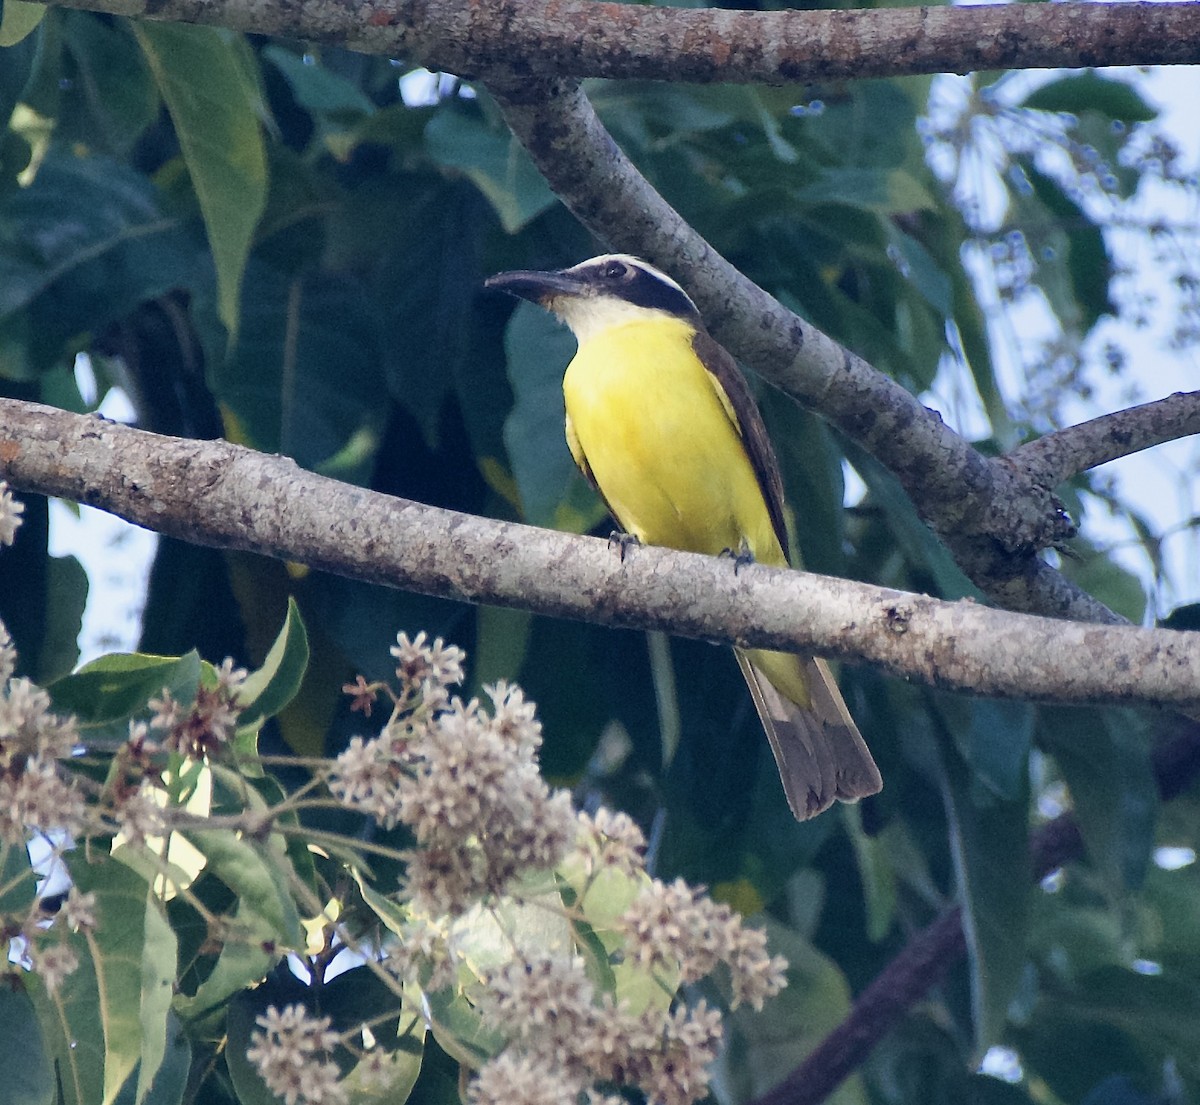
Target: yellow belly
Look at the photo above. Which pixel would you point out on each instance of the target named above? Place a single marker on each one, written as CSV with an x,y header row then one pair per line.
x,y
660,444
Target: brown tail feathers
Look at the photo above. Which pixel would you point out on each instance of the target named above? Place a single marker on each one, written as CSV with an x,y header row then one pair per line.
x,y
819,751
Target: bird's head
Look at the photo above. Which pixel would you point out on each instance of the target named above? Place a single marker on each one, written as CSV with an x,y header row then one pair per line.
x,y
600,293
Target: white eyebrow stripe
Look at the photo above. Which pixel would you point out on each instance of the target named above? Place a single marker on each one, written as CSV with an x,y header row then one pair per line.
x,y
636,262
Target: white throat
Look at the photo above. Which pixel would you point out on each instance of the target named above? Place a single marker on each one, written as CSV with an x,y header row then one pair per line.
x,y
589,316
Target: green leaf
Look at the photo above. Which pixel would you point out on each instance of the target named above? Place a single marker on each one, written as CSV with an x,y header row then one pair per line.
x,y
1104,758
1088,91
28,1073
989,846
875,872
1088,265
277,387
764,1047
280,989
269,689
914,538
994,737
814,483
1100,575
18,20
397,1029
265,922
1122,1021
171,1080
67,592
538,350
355,998
18,883
925,274
495,163
116,687
80,247
107,97
322,93
427,282
501,639
253,871
207,78
886,191
109,1016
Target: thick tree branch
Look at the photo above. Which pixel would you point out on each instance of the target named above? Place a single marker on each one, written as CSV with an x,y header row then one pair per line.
x,y
548,38
1056,457
992,521
930,953
218,494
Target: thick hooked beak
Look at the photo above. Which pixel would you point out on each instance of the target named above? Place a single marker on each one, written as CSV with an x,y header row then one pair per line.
x,y
537,287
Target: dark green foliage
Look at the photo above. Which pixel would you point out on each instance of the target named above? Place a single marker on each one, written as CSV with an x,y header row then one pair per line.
x,y
346,327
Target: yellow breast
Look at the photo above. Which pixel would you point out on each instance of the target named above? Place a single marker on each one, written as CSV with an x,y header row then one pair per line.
x,y
669,460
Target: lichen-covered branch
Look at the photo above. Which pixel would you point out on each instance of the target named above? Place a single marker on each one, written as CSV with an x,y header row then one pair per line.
x,y
218,494
1056,457
547,38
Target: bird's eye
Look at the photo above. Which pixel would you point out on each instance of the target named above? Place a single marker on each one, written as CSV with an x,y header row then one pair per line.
x,y
613,270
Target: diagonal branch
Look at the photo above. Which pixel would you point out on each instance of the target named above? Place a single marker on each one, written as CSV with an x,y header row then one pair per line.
x,y
218,494
929,954
990,519
585,39
1056,457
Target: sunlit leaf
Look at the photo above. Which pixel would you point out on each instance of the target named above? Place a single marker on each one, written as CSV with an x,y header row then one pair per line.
x,y
271,687
206,78
495,163
117,686
109,1017
19,19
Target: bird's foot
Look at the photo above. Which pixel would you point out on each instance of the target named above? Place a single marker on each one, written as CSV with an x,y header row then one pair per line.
x,y
741,556
623,542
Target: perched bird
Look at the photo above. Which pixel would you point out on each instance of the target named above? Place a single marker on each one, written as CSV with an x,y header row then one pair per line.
x,y
662,423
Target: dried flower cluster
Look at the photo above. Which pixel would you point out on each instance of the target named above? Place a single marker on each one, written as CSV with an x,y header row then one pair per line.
x,y
465,780
208,723
291,1050
565,1039
491,840
10,514
34,795
676,926
44,937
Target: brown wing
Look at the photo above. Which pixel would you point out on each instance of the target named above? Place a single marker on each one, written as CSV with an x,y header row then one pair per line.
x,y
739,403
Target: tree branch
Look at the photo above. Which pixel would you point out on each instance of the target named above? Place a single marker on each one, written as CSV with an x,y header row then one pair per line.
x,y
929,954
992,521
584,39
218,494
1056,457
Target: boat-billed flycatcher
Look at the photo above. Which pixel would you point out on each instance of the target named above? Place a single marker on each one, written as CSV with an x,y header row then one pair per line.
x,y
662,423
